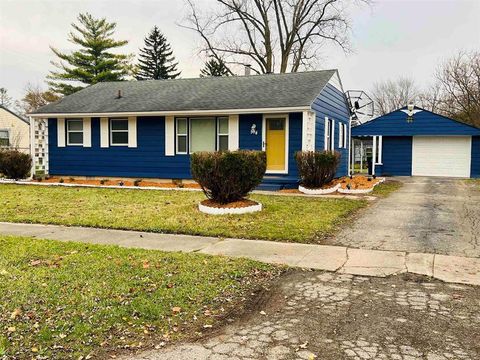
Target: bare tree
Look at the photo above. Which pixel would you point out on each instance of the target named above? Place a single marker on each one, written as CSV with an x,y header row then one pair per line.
x,y
459,78
35,98
431,98
5,99
271,35
391,95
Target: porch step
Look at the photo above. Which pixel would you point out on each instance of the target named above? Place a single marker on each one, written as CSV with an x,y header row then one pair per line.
x,y
275,183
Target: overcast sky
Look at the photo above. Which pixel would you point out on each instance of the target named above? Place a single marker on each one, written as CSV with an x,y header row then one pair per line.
x,y
390,39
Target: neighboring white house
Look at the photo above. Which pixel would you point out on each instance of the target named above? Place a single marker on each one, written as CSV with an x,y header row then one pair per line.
x,y
14,131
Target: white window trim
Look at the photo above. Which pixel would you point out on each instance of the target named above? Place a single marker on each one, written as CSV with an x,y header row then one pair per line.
x,y
345,136
111,131
329,134
340,135
227,134
104,133
67,132
8,138
264,136
177,135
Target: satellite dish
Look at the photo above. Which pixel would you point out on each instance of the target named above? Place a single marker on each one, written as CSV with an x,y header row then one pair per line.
x,y
361,106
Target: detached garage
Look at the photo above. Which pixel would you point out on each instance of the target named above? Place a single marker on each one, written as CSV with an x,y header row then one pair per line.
x,y
421,143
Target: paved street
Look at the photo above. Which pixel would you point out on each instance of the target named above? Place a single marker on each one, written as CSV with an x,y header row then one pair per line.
x,y
430,215
327,316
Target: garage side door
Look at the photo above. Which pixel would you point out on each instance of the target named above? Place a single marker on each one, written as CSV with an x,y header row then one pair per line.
x,y
441,156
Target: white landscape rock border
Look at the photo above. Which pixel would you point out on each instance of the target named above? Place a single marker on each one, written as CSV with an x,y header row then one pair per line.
x,y
361,191
229,211
318,191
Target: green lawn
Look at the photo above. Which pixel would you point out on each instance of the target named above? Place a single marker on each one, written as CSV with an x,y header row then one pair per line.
x,y
297,219
386,188
67,300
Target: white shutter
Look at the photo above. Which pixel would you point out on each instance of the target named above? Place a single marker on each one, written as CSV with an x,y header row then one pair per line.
x,y
132,131
233,133
169,136
308,130
340,135
87,132
333,135
61,132
325,133
104,136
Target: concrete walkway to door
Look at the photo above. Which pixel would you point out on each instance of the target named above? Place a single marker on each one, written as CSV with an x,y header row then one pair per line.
x,y
339,259
427,215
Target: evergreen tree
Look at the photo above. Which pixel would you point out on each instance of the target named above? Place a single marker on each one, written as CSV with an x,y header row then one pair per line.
x,y
156,60
93,62
214,67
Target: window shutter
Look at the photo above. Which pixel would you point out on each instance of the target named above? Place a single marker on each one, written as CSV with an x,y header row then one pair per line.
x,y
104,136
61,132
233,133
340,135
333,135
325,133
87,132
132,131
169,136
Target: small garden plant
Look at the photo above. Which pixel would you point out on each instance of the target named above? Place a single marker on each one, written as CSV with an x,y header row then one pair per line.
x,y
317,168
15,164
228,176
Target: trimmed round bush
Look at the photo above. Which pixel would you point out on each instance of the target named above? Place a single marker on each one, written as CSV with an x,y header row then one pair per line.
x,y
15,164
228,176
317,168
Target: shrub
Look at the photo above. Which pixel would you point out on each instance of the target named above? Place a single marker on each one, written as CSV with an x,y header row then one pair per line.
x,y
228,176
317,168
15,164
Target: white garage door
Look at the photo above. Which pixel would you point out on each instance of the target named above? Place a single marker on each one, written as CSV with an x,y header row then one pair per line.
x,y
441,156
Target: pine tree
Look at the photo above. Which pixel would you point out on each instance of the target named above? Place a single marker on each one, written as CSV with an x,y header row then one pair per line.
x,y
93,62
214,67
156,60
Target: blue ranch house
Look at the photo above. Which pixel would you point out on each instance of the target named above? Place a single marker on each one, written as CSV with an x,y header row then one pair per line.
x,y
147,129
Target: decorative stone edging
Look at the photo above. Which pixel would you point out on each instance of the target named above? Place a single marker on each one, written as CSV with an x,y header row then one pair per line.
x,y
361,191
229,211
318,191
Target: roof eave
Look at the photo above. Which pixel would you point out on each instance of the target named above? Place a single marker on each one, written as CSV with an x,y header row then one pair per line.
x,y
276,110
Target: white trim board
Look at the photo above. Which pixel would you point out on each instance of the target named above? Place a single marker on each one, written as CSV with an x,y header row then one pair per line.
x,y
280,110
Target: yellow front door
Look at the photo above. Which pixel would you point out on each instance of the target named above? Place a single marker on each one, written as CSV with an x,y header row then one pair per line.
x,y
275,143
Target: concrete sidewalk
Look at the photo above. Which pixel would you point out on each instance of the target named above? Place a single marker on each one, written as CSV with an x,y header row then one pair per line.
x,y
340,259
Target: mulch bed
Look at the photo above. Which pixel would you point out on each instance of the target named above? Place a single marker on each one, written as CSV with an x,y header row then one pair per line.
x,y
143,183
237,204
358,182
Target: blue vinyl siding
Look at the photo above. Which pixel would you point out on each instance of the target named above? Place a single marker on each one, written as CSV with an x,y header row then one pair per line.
x,y
397,156
147,160
332,103
424,123
475,168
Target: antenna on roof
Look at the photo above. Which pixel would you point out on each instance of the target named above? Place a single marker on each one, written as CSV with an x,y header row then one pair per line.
x,y
119,94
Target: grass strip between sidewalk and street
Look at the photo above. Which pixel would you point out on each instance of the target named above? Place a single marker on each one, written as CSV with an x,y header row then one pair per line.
x,y
66,300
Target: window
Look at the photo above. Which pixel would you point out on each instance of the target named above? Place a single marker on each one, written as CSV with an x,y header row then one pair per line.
x,y
201,134
222,131
182,131
329,141
74,132
345,136
119,132
4,138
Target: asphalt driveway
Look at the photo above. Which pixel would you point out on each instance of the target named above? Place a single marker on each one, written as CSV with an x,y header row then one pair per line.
x,y
432,215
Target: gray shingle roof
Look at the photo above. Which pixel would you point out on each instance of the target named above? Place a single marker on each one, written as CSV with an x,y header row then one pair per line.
x,y
213,93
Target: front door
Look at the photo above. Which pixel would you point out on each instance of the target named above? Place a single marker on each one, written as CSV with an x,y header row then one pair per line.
x,y
275,144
